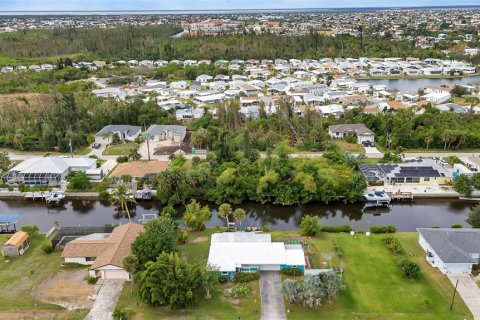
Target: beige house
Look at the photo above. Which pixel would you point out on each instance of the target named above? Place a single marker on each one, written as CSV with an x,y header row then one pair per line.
x,y
16,245
104,252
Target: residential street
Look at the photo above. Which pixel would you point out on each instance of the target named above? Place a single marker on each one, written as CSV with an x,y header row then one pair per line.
x,y
273,307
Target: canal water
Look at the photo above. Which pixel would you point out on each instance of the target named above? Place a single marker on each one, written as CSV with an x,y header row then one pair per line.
x,y
405,216
415,84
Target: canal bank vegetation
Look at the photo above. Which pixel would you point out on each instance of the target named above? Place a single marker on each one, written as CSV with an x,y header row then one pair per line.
x,y
277,179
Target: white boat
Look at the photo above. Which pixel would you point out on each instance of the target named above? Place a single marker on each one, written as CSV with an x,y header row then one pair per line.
x,y
378,197
55,197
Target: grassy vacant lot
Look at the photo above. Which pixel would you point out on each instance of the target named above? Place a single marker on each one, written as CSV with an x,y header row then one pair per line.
x,y
121,149
218,307
20,276
351,147
375,286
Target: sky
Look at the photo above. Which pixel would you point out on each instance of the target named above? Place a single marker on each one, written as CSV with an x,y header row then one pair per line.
x,y
97,5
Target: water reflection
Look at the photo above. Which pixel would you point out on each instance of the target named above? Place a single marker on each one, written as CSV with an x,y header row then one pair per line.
x,y
406,216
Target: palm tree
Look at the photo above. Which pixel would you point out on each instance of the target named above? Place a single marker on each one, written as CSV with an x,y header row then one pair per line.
x,y
134,155
224,211
121,197
130,263
239,215
209,280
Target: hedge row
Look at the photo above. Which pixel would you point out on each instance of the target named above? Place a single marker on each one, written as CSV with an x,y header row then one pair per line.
x,y
293,272
383,229
337,229
241,277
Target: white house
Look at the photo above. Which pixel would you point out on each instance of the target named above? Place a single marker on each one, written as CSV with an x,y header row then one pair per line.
x,y
232,252
189,113
341,131
157,132
104,252
124,133
451,250
437,98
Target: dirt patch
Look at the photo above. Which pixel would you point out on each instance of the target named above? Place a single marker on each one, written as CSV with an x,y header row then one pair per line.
x,y
25,99
68,289
200,239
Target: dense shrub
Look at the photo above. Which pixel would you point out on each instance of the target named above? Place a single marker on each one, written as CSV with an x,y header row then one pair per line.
x,y
91,280
238,290
30,229
293,272
456,226
337,229
241,277
410,268
392,244
383,229
223,279
182,237
121,159
310,225
47,248
119,314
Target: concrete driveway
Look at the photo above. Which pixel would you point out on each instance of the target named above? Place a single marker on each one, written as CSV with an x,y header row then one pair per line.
x,y
106,300
273,307
469,291
372,152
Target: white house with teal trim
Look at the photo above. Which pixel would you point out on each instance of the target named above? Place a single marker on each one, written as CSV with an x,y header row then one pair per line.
x,y
232,252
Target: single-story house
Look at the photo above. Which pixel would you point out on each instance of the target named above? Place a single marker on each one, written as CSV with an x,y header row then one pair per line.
x,y
232,252
124,133
139,169
16,245
104,252
451,250
47,170
158,132
422,171
363,134
437,97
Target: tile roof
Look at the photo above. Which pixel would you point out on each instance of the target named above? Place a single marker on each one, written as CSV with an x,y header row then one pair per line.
x,y
109,251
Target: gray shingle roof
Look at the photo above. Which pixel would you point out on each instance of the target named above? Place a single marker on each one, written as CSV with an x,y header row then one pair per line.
x,y
123,128
453,245
358,128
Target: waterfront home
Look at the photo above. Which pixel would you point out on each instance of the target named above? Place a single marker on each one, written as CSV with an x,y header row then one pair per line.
x,y
437,98
452,251
123,132
104,252
16,245
423,171
47,170
341,131
232,252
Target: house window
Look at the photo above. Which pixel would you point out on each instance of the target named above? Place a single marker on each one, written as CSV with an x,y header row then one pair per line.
x,y
89,259
426,179
224,273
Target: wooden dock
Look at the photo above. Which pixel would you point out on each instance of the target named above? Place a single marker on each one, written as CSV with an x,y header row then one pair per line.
x,y
400,196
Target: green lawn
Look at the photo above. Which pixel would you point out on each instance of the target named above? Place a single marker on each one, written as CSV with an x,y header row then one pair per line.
x,y
121,149
351,147
19,278
375,286
218,307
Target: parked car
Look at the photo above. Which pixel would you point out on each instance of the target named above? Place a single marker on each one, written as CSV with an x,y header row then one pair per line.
x,y
96,146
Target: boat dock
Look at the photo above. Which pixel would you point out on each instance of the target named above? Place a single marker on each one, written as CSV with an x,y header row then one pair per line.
x,y
41,195
400,196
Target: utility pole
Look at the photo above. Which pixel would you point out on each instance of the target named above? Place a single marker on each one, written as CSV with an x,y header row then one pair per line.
x,y
453,298
71,149
147,139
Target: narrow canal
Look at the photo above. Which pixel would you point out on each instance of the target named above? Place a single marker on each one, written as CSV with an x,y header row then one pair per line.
x,y
405,216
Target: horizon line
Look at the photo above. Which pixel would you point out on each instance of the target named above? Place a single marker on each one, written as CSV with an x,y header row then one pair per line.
x,y
255,9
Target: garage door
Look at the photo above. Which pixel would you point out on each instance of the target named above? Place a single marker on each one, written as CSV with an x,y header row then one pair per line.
x,y
270,267
115,274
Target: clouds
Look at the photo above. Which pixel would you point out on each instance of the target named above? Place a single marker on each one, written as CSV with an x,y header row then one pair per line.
x,y
93,5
